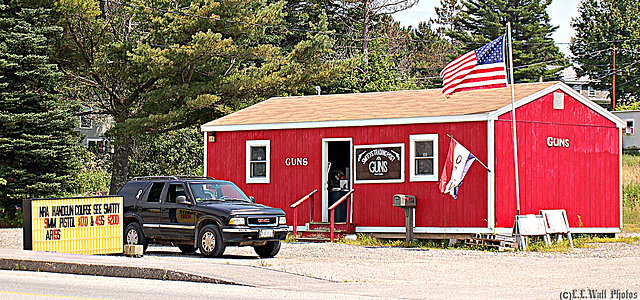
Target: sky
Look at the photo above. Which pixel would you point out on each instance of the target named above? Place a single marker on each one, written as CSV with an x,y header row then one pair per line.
x,y
560,11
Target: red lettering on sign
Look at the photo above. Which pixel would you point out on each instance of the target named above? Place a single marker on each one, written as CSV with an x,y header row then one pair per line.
x,y
113,219
99,220
83,221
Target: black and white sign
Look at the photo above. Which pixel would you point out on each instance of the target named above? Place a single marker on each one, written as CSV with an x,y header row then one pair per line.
x,y
379,163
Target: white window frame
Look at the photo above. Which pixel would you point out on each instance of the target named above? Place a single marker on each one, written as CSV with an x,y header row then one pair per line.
x,y
412,157
258,143
631,131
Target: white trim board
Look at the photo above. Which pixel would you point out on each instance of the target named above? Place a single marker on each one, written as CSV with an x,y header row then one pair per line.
x,y
587,230
206,152
620,174
438,230
349,123
325,174
491,176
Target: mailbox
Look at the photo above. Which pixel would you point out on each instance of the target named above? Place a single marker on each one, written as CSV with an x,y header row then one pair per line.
x,y
404,201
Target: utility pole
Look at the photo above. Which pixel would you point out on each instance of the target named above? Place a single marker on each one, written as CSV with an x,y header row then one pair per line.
x,y
613,91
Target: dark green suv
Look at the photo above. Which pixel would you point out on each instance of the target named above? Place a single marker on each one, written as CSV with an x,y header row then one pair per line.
x,y
199,213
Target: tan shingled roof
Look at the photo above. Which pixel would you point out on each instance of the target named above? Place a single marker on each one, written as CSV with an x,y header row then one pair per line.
x,y
380,105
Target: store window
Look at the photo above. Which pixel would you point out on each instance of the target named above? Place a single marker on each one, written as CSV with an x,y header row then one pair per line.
x,y
258,161
423,157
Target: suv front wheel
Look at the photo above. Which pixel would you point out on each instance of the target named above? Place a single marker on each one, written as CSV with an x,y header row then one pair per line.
x,y
133,235
210,241
270,249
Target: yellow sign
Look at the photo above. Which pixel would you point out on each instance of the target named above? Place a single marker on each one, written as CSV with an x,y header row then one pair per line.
x,y
91,225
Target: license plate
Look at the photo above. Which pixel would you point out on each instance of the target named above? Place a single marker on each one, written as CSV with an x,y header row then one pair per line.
x,y
266,233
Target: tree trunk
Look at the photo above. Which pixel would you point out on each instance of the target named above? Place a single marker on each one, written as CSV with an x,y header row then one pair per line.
x,y
120,159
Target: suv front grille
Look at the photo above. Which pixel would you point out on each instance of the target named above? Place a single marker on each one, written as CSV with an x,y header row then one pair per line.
x,y
263,221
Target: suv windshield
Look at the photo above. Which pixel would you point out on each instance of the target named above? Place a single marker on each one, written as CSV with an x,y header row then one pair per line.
x,y
217,191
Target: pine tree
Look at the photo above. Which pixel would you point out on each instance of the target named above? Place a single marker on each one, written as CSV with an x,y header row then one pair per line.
x,y
481,21
37,144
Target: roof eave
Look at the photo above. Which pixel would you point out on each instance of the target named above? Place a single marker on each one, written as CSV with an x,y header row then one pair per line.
x,y
349,123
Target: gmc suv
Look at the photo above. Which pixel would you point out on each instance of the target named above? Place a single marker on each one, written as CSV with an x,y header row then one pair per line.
x,y
199,213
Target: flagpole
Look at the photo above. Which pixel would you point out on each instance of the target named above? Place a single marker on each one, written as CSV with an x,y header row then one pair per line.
x,y
513,120
477,159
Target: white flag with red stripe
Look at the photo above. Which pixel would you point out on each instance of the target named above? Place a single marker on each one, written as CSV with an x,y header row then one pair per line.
x,y
483,68
459,160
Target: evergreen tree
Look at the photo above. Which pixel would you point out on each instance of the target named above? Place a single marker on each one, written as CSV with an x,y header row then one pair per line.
x,y
431,53
481,21
37,144
601,25
158,66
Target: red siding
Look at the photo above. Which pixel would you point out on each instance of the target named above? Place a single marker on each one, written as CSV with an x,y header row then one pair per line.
x,y
372,202
583,178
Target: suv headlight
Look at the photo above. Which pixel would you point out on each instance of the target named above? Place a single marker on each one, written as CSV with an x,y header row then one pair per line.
x,y
236,221
282,220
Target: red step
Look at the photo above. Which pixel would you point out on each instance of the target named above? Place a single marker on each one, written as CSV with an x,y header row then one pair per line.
x,y
321,232
346,227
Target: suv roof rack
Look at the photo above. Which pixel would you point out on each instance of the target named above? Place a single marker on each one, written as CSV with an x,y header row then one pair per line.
x,y
178,177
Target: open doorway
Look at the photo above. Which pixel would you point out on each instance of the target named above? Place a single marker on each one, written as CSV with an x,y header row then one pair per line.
x,y
337,176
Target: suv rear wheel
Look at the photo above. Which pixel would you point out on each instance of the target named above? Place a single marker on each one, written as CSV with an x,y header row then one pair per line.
x,y
210,241
133,235
268,250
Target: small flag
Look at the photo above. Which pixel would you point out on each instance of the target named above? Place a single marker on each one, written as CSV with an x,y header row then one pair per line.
x,y
483,68
459,160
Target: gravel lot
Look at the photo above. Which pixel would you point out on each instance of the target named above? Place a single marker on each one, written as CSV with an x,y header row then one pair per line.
x,y
417,273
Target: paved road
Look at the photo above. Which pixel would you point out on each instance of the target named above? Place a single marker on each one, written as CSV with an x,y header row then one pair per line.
x,y
313,271
34,285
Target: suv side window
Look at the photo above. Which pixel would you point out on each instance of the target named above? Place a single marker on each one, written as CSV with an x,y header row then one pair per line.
x,y
174,191
155,191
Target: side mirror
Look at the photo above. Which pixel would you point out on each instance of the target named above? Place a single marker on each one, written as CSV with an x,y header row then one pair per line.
x,y
253,200
182,200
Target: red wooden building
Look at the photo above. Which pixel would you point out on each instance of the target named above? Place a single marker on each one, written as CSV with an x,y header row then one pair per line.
x,y
381,144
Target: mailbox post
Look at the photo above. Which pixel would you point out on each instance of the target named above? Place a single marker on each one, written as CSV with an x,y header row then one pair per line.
x,y
408,203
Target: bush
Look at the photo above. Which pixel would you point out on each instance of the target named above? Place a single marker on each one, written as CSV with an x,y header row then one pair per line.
x,y
10,218
95,175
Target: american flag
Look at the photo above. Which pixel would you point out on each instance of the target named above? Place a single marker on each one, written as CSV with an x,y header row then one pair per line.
x,y
482,68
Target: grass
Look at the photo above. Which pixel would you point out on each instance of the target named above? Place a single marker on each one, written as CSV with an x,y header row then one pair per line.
x,y
582,241
579,241
631,192
370,241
